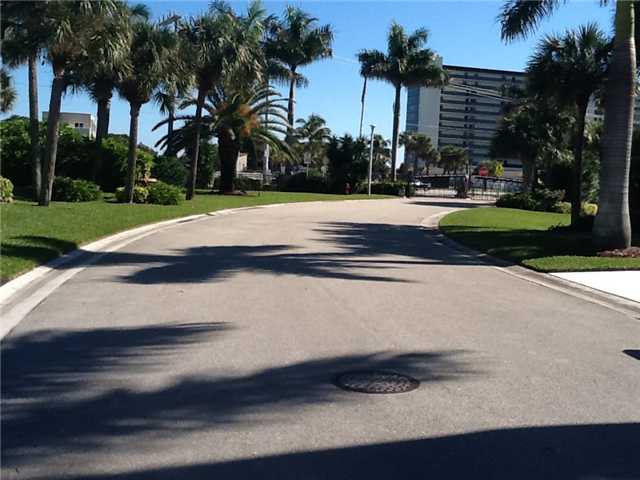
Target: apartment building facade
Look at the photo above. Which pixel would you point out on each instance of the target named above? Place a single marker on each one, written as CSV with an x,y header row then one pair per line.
x,y
84,123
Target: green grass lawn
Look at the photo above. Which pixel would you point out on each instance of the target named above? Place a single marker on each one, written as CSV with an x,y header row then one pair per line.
x,y
33,235
524,237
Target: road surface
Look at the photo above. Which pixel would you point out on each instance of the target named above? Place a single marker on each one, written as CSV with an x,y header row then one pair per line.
x,y
207,351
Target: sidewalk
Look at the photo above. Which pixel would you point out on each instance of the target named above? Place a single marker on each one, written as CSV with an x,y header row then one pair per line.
x,y
623,283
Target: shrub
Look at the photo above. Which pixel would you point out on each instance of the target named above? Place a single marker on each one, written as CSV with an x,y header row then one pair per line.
x,y
246,184
6,190
115,149
170,170
67,189
301,182
542,200
589,209
140,194
388,188
161,193
562,207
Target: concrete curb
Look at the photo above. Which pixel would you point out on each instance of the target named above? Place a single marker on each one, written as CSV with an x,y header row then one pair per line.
x,y
613,302
87,254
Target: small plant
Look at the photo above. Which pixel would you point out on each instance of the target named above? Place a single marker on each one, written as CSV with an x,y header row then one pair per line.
x,y
6,190
140,194
161,193
67,189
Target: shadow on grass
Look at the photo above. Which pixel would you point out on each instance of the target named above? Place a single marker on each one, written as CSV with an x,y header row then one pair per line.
x,y
36,247
563,452
518,245
80,391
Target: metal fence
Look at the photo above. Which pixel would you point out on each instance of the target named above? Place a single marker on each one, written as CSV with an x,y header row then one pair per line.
x,y
481,188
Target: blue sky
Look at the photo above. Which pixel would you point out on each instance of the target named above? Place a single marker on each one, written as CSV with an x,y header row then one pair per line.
x,y
464,33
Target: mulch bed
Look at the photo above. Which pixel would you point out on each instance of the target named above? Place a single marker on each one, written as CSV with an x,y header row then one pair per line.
x,y
631,252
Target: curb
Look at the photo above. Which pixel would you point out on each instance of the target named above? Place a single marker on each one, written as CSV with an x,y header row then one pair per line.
x,y
608,300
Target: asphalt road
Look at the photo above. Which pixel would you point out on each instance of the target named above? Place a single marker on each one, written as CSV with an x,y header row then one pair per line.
x,y
207,351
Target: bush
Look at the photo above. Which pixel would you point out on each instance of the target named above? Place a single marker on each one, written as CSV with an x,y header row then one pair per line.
x,y
562,207
388,188
161,193
541,200
6,190
170,170
301,182
246,184
67,189
589,209
115,149
140,194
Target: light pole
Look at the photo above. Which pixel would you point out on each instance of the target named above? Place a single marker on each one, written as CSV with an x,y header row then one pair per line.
x,y
373,127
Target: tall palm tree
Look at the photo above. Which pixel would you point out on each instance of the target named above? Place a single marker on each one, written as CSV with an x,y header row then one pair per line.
x,y
24,32
294,42
73,26
216,44
151,51
570,69
406,63
612,226
8,94
107,65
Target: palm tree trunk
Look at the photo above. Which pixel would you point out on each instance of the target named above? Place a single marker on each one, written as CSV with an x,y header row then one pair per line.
x,y
612,226
34,127
291,105
576,199
528,167
396,132
193,171
51,149
133,152
169,150
102,130
228,154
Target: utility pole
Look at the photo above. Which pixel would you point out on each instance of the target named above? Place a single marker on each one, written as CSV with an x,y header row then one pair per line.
x,y
370,159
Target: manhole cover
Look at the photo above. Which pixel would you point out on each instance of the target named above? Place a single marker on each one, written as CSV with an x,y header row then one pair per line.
x,y
375,381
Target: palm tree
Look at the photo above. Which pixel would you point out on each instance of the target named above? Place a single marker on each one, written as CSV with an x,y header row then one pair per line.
x,y
571,69
312,137
406,63
236,117
151,51
8,94
535,132
72,26
107,65
381,156
612,226
420,148
24,32
453,159
216,44
293,42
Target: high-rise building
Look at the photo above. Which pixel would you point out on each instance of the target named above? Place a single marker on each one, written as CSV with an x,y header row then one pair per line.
x,y
467,111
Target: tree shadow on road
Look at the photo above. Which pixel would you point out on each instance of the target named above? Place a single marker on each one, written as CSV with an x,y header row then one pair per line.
x,y
61,392
563,452
375,252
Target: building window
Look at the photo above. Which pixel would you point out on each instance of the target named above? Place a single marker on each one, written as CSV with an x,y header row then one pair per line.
x,y
76,125
81,125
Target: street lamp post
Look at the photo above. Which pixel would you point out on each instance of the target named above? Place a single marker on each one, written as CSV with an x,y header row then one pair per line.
x,y
370,159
